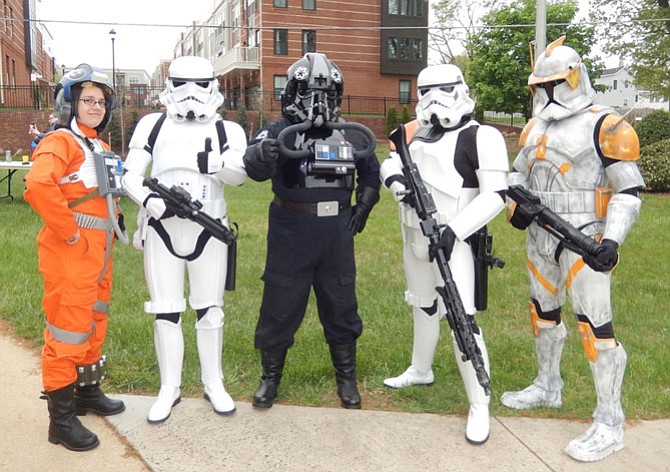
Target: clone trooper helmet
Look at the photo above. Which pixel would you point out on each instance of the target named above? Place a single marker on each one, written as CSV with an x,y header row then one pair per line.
x,y
69,88
444,97
313,91
559,83
191,90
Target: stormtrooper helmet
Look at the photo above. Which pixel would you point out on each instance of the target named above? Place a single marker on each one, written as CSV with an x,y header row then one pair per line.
x,y
559,83
444,97
313,90
191,90
69,89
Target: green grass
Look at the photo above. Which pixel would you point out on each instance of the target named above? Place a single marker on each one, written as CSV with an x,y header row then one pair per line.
x,y
640,300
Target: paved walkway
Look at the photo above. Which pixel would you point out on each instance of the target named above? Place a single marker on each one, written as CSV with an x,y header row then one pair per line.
x,y
292,438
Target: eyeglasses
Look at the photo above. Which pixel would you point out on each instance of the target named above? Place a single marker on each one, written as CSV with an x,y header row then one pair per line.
x,y
91,102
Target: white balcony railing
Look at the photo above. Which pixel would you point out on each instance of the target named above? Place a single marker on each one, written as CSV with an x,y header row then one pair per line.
x,y
237,58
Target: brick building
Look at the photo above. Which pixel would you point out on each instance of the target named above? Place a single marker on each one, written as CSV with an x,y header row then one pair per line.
x,y
253,42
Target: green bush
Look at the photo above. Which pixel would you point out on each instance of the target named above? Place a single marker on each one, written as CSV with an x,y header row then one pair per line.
x,y
653,128
391,120
655,166
406,116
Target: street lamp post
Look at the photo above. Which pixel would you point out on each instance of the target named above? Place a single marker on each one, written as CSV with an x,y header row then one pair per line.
x,y
113,35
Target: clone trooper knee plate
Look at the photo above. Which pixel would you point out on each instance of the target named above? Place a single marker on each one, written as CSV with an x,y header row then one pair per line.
x,y
580,160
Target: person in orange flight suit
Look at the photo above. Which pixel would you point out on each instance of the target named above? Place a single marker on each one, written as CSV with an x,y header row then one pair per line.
x,y
74,247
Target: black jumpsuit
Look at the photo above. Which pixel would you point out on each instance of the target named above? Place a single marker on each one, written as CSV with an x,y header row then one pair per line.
x,y
305,250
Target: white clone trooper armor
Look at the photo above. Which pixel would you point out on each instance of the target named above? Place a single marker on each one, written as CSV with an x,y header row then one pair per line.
x,y
198,151
464,166
579,159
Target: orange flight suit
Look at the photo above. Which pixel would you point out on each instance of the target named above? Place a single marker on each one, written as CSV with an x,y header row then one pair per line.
x,y
72,273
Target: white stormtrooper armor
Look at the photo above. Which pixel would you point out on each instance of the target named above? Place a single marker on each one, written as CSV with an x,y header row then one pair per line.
x,y
188,153
579,159
467,193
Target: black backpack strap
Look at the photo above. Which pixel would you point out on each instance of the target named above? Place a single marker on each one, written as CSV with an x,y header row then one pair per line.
x,y
223,139
149,146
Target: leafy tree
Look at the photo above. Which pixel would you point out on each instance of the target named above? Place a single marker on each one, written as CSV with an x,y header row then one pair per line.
x,y
500,66
640,36
455,23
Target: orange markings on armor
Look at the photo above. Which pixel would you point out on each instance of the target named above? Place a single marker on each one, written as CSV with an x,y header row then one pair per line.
x,y
544,282
565,167
526,130
618,140
574,270
588,340
603,196
573,79
554,44
541,143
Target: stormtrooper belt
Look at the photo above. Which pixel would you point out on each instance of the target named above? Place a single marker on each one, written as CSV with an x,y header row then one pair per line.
x,y
330,208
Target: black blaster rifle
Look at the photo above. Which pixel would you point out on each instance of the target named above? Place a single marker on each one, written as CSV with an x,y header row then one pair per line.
x,y
570,237
188,208
425,209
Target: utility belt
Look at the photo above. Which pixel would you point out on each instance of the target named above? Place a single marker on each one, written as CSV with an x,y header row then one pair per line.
x,y
589,201
321,209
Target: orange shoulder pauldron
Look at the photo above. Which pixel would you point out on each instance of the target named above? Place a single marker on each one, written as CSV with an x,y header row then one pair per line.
x,y
617,139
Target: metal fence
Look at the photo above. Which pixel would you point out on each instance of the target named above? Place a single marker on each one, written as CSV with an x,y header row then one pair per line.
x,y
142,96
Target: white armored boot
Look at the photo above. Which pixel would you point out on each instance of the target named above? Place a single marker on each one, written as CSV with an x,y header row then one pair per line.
x,y
209,337
478,426
169,344
426,336
546,388
605,435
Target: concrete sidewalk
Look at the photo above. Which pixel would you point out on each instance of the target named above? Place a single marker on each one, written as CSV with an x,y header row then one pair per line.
x,y
292,438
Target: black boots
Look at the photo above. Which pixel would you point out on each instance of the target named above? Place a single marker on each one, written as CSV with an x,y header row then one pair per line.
x,y
344,361
91,398
273,366
64,426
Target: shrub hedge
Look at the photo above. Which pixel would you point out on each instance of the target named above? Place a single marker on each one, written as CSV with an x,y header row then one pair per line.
x,y
653,128
655,166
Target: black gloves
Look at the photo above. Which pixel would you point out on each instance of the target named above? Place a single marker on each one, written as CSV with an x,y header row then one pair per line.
x,y
447,241
605,258
267,151
366,198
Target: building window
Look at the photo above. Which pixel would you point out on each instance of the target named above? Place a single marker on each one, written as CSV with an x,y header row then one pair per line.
x,y
405,7
625,102
279,84
280,3
417,49
404,49
393,48
308,41
281,42
404,91
614,84
309,4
